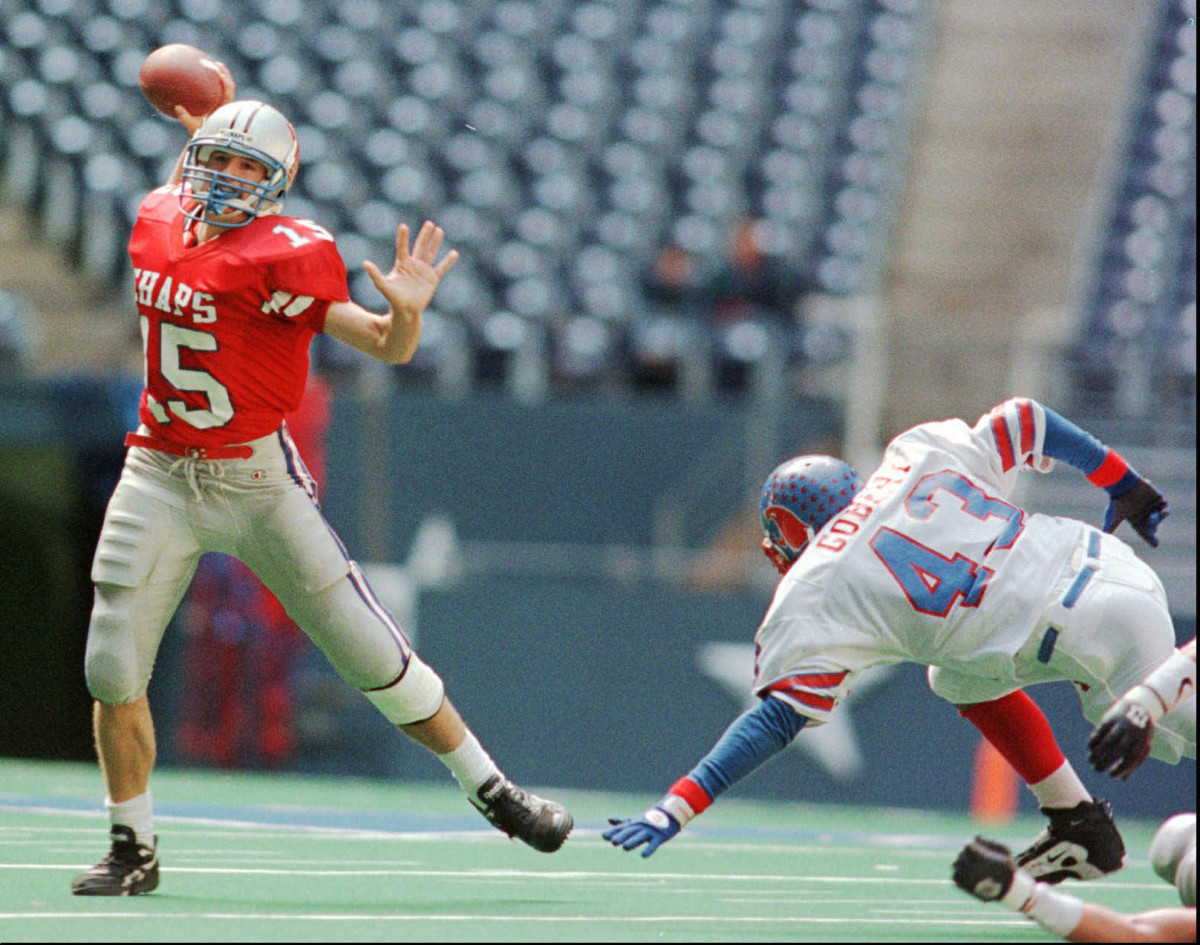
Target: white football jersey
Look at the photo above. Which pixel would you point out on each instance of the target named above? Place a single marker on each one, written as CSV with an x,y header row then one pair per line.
x,y
929,564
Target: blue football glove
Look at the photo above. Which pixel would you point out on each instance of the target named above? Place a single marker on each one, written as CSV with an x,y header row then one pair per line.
x,y
1142,506
653,828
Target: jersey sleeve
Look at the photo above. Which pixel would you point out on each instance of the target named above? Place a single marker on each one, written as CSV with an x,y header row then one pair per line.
x,y
1016,431
305,280
813,691
1026,434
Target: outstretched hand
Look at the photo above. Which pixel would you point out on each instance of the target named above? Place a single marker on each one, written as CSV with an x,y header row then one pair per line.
x,y
653,828
985,869
415,275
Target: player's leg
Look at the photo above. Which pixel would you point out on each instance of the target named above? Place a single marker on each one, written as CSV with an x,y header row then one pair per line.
x,y
143,563
144,560
1081,841
370,651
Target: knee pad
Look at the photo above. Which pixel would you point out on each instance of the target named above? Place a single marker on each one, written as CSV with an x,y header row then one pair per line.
x,y
415,697
111,664
1173,855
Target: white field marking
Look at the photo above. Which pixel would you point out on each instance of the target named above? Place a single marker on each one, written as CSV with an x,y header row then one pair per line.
x,y
564,876
866,841
283,830
869,843
541,919
911,845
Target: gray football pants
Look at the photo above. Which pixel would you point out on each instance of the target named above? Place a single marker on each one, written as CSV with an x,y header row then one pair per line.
x,y
167,511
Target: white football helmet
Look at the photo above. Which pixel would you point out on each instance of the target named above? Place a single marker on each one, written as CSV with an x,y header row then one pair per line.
x,y
1173,855
250,129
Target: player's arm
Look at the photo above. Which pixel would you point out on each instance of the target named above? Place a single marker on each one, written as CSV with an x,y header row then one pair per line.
x,y
1026,432
1101,924
751,739
1121,740
986,870
408,287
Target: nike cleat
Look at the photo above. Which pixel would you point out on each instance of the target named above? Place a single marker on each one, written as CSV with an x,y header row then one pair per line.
x,y
1081,842
542,824
131,868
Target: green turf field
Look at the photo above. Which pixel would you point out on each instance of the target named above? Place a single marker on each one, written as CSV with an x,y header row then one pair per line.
x,y
283,858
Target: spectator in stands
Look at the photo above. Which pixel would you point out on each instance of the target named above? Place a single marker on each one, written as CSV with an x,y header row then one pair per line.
x,y
749,284
751,301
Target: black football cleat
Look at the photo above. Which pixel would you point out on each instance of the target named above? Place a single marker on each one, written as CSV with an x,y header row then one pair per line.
x,y
1081,842
542,824
130,869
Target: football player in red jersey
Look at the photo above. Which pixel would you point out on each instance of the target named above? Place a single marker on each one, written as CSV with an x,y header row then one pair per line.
x,y
229,293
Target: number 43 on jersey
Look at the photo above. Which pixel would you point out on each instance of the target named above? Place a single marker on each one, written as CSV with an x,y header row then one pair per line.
x,y
933,582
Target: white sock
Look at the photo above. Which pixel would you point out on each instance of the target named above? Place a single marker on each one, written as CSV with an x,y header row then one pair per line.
x,y
137,814
1061,789
469,764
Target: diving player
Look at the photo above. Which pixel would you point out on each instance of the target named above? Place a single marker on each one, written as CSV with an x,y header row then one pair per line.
x,y
928,562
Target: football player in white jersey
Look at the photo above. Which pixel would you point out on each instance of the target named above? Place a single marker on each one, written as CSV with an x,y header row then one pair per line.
x,y
928,562
230,292
1118,745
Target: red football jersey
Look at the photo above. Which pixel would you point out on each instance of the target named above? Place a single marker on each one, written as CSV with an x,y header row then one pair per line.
x,y
227,324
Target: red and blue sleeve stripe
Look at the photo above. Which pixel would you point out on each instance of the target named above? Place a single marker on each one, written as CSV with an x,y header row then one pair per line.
x,y
1014,425
1011,453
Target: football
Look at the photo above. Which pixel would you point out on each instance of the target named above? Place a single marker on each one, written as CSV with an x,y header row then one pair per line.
x,y
179,74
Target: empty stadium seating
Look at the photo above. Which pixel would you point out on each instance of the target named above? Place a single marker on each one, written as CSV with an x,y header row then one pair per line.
x,y
1136,353
561,144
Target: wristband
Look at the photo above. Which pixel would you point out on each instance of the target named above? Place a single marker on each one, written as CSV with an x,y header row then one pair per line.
x,y
677,807
685,799
1174,680
1019,891
1113,475
1058,912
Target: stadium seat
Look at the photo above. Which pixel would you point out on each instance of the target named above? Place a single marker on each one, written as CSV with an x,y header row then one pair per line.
x,y
538,133
1135,354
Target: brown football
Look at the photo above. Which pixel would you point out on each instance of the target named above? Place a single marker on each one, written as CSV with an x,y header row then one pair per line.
x,y
179,74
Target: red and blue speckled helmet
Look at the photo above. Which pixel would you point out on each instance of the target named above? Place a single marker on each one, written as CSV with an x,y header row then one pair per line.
x,y
798,499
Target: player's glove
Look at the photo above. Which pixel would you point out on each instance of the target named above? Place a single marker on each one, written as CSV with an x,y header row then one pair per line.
x,y
1121,741
987,871
1142,506
653,828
